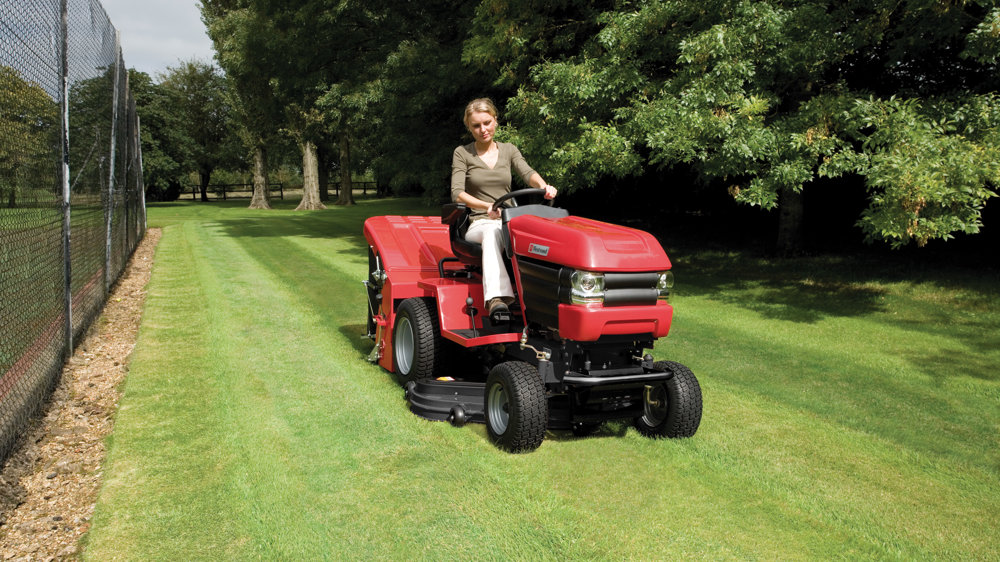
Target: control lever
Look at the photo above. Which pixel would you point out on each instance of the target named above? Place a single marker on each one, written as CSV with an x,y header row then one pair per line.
x,y
472,315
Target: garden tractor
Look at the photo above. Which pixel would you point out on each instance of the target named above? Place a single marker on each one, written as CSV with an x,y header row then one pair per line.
x,y
592,298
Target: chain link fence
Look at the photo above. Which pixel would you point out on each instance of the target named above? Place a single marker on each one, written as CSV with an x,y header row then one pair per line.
x,y
72,209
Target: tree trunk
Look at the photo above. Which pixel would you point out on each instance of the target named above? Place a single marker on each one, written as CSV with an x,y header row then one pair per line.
x,y
205,176
310,179
323,158
791,212
12,198
261,193
346,187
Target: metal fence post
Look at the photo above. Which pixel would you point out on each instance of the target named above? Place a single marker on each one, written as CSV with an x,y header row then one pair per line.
x,y
64,107
109,209
137,139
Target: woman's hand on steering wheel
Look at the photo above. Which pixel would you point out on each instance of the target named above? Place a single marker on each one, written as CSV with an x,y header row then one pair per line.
x,y
530,191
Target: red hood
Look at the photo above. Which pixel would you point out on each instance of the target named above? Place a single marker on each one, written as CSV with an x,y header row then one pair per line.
x,y
587,244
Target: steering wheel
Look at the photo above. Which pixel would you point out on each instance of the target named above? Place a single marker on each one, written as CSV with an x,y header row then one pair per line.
x,y
512,194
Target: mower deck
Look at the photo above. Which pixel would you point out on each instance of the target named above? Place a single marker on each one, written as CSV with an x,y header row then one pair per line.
x,y
457,402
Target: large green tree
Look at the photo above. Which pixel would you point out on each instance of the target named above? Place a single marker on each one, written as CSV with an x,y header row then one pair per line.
x,y
197,92
764,99
416,119
274,53
377,80
767,97
166,145
242,40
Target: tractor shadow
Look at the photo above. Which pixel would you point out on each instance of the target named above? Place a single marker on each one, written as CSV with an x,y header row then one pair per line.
x,y
356,335
608,430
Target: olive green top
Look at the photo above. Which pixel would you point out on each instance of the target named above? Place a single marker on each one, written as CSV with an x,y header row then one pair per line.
x,y
470,174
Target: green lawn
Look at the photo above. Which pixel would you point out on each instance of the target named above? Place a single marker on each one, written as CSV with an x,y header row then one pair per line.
x,y
852,410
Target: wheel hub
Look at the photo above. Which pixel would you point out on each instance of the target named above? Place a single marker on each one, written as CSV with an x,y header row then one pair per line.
x,y
498,409
654,404
403,345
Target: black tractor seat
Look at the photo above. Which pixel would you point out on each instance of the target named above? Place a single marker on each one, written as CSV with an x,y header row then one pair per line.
x,y
456,216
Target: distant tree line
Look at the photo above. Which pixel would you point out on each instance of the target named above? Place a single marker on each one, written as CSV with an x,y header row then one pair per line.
x,y
29,140
760,100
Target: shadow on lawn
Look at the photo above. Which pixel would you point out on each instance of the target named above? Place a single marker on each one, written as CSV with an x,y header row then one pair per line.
x,y
355,334
313,225
955,305
968,347
803,290
615,429
951,362
346,223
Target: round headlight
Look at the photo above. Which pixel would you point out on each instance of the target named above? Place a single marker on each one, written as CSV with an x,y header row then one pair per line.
x,y
664,284
587,287
588,282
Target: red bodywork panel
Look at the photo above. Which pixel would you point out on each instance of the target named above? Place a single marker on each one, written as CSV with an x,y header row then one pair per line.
x,y
409,249
587,244
583,323
592,245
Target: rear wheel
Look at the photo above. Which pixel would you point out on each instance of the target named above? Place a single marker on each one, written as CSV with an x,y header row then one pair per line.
x,y
517,411
675,409
416,340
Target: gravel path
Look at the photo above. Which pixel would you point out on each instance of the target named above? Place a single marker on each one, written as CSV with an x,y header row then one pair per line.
x,y
49,484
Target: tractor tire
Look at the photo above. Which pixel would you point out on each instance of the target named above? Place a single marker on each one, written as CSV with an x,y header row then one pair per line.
x,y
517,410
417,344
679,413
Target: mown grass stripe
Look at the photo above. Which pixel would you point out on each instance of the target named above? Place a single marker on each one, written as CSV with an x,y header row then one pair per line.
x,y
251,426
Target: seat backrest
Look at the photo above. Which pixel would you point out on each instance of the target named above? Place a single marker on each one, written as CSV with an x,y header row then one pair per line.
x,y
456,216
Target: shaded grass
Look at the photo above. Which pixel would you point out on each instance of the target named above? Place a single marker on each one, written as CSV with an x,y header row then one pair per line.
x,y
851,410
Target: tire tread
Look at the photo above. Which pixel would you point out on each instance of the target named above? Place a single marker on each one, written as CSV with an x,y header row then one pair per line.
x,y
685,404
529,413
427,338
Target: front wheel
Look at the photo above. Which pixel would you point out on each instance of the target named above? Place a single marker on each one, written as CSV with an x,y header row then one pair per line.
x,y
675,405
517,411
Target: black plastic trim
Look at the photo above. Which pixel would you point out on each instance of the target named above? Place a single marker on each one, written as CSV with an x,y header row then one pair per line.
x,y
578,379
631,280
630,297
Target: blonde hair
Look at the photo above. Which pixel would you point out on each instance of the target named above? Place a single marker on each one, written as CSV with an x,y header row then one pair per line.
x,y
479,104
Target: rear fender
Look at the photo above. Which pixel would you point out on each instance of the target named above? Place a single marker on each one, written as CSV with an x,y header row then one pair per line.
x,y
408,250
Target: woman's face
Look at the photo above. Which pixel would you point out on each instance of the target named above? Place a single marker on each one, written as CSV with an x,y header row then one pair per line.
x,y
482,125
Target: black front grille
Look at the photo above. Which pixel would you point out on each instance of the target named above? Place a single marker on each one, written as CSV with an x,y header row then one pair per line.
x,y
543,290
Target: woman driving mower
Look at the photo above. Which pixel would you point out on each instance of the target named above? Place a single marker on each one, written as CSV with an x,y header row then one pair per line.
x,y
481,174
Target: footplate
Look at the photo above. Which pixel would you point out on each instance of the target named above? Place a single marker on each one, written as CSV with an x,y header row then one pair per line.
x,y
457,402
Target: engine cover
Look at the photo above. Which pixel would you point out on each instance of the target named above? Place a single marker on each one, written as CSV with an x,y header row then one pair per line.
x,y
586,244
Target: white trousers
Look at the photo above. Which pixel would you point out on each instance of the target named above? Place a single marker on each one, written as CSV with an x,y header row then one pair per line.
x,y
496,282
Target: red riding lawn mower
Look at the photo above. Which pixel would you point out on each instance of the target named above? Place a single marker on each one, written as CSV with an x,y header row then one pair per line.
x,y
592,297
